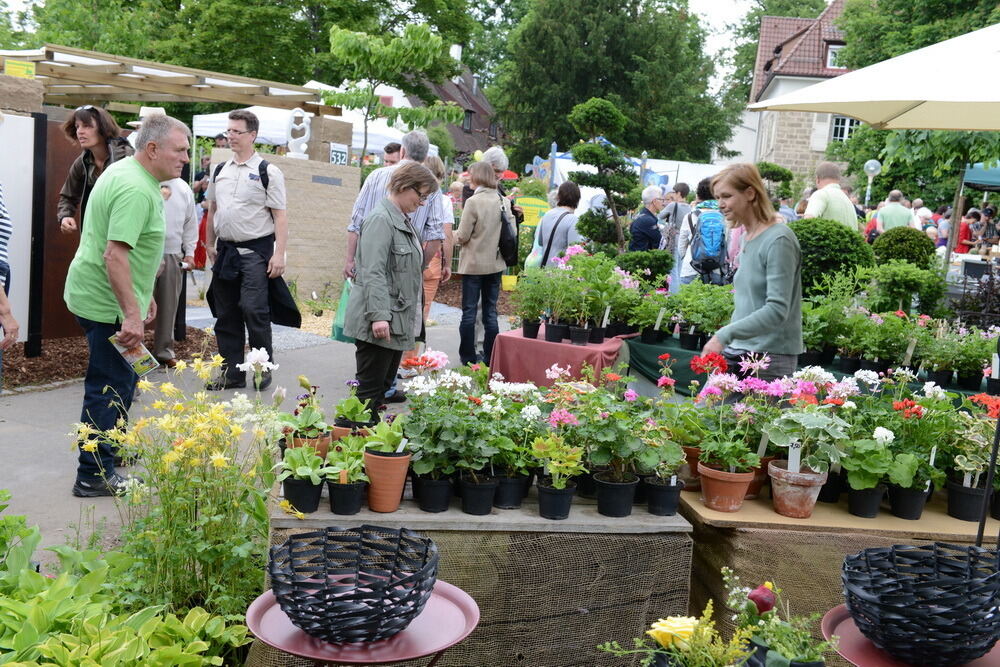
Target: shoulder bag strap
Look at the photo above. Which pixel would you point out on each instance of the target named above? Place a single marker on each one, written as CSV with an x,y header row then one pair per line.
x,y
552,236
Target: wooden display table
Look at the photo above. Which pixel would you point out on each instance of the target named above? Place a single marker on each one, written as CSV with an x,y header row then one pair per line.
x,y
803,557
548,591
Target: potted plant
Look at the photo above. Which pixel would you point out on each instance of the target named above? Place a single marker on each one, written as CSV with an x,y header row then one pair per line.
x,y
815,323
529,301
938,354
512,463
578,314
970,452
306,425
663,488
974,354
560,462
609,427
386,463
623,300
884,339
813,435
561,292
849,343
726,469
867,462
345,474
301,473
351,414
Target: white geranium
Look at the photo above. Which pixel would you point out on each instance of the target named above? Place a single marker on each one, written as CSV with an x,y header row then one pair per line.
x,y
883,435
870,378
421,385
932,390
815,374
849,405
531,412
512,389
903,374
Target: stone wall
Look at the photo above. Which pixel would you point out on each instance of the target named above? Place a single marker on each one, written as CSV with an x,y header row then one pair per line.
x,y
792,144
324,132
19,95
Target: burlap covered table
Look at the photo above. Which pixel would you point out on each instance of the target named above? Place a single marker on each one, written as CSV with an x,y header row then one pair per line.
x,y
548,591
521,359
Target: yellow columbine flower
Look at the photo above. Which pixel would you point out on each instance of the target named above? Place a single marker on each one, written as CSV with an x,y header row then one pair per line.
x,y
180,366
218,460
89,446
159,405
194,462
674,631
216,361
290,509
169,389
145,385
235,431
172,456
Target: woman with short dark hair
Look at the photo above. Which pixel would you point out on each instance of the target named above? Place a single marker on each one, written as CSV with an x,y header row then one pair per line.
x,y
559,224
99,136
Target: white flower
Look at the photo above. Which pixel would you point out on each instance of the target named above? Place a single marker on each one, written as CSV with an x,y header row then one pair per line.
x,y
554,372
240,404
903,375
846,387
849,405
883,435
931,390
531,412
278,396
421,385
512,389
870,378
493,405
257,360
815,374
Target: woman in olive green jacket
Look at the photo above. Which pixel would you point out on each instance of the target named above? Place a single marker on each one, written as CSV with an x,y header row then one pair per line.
x,y
384,312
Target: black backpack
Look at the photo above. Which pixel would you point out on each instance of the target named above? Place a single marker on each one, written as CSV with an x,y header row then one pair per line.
x,y
261,171
508,238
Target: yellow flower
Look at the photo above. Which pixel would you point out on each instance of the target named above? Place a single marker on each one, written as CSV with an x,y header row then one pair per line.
x,y
180,365
209,330
145,385
89,446
159,405
84,431
290,509
169,389
194,462
218,460
172,456
768,585
674,631
216,361
235,431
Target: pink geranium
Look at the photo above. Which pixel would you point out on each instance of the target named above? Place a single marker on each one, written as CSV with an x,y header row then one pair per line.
x,y
561,416
630,395
665,382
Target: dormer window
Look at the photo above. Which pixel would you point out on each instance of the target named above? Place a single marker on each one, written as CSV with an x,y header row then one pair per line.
x,y
831,56
467,121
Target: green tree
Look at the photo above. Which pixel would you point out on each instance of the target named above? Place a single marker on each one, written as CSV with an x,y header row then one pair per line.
x,y
644,57
11,36
597,117
372,61
747,37
439,135
486,45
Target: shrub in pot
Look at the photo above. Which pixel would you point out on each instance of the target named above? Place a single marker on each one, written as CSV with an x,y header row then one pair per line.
x,y
560,462
386,463
345,474
726,469
306,425
301,473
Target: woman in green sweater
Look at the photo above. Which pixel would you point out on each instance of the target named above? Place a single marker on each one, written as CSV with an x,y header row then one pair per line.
x,y
768,284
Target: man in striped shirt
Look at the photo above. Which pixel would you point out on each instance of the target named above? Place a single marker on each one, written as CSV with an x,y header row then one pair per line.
x,y
427,221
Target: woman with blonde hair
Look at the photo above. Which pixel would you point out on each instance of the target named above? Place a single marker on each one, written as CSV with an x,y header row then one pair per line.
x,y
480,262
767,318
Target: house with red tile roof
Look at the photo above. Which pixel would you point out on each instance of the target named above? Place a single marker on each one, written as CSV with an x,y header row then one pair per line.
x,y
793,53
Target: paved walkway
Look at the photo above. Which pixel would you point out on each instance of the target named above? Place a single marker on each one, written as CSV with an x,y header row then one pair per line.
x,y
40,459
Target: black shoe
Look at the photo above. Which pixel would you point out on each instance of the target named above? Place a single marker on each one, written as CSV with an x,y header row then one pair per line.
x,y
111,486
226,383
265,381
122,461
397,396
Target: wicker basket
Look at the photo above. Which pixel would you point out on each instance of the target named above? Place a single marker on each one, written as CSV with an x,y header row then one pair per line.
x,y
353,585
925,605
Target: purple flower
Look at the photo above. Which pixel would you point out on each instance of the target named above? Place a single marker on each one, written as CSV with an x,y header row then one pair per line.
x,y
630,395
351,383
755,363
741,408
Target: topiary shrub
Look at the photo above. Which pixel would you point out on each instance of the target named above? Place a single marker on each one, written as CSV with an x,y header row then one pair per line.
x,y
828,247
905,243
659,262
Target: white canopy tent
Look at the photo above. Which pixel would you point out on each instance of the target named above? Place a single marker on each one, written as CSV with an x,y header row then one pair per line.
x,y
944,86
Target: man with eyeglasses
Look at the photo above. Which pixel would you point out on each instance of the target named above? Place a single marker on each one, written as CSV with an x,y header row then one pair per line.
x,y
246,233
644,230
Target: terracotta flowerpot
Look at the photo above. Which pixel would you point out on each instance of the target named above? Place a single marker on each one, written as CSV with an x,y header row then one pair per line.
x,y
320,444
723,491
759,478
387,475
794,493
693,483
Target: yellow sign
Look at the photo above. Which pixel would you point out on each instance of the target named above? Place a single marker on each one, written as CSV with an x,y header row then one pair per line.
x,y
19,68
534,209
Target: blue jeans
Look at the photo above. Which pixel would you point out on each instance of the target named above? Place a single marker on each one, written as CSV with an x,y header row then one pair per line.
x,y
476,289
107,396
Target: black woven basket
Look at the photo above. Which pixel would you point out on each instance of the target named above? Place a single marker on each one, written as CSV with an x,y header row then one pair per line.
x,y
926,605
348,585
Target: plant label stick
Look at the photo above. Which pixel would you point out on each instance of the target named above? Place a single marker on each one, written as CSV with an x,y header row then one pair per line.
x,y
762,447
607,314
673,480
402,445
693,327
995,373
933,454
659,319
909,351
795,457
343,477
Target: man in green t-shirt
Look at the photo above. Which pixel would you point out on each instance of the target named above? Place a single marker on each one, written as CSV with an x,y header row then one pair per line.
x,y
109,286
893,214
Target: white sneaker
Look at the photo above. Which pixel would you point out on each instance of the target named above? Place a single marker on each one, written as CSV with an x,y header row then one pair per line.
x,y
406,373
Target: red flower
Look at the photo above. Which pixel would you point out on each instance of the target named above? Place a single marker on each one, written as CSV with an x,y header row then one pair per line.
x,y
803,398
991,403
833,401
476,400
664,356
713,362
900,313
763,597
612,377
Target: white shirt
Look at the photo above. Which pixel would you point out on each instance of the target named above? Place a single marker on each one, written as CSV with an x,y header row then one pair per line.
x,y
182,222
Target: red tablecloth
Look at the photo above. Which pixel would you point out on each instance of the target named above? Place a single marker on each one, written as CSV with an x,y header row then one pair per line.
x,y
521,359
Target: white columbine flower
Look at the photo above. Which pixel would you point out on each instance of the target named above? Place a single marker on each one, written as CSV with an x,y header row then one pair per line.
x,y
931,390
883,435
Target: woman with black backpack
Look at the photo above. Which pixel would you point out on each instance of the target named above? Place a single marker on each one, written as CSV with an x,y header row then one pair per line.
x,y
480,261
767,318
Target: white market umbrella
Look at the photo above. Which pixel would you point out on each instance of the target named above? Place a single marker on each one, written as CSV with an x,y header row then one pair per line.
x,y
946,86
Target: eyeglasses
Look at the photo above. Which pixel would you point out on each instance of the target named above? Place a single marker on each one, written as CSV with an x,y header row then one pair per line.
x,y
423,197
237,132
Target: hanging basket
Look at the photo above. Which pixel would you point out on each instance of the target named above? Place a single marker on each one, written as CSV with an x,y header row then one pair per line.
x,y
353,585
932,605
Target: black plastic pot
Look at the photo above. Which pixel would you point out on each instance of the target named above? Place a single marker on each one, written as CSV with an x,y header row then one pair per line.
x,y
995,506
648,336
640,491
579,335
554,333
827,355
849,365
509,492
940,378
970,382
477,499
345,498
302,494
877,366
596,335
435,494
530,329
831,489
555,503
662,499
690,341
759,657
613,329
614,499
585,486
809,358
993,386
907,503
865,503
347,423
964,503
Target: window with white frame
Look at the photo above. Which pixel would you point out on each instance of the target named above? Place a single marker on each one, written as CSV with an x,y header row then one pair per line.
x,y
831,56
842,128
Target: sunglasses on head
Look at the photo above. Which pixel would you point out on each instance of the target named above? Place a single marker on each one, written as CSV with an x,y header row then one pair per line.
x,y
85,107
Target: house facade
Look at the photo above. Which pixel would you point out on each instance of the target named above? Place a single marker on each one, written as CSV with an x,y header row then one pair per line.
x,y
478,129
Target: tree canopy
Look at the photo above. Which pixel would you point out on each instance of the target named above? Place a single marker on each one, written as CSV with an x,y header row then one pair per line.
x,y
646,58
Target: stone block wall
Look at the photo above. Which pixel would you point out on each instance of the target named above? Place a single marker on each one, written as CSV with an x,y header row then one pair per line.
x,y
792,143
324,132
18,95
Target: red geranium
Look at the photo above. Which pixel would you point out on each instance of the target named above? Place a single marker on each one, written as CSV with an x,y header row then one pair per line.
x,y
612,377
991,403
664,356
713,362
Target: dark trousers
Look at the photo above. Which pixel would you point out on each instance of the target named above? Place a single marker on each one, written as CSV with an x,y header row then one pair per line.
x,y
242,304
107,396
5,286
376,372
483,289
